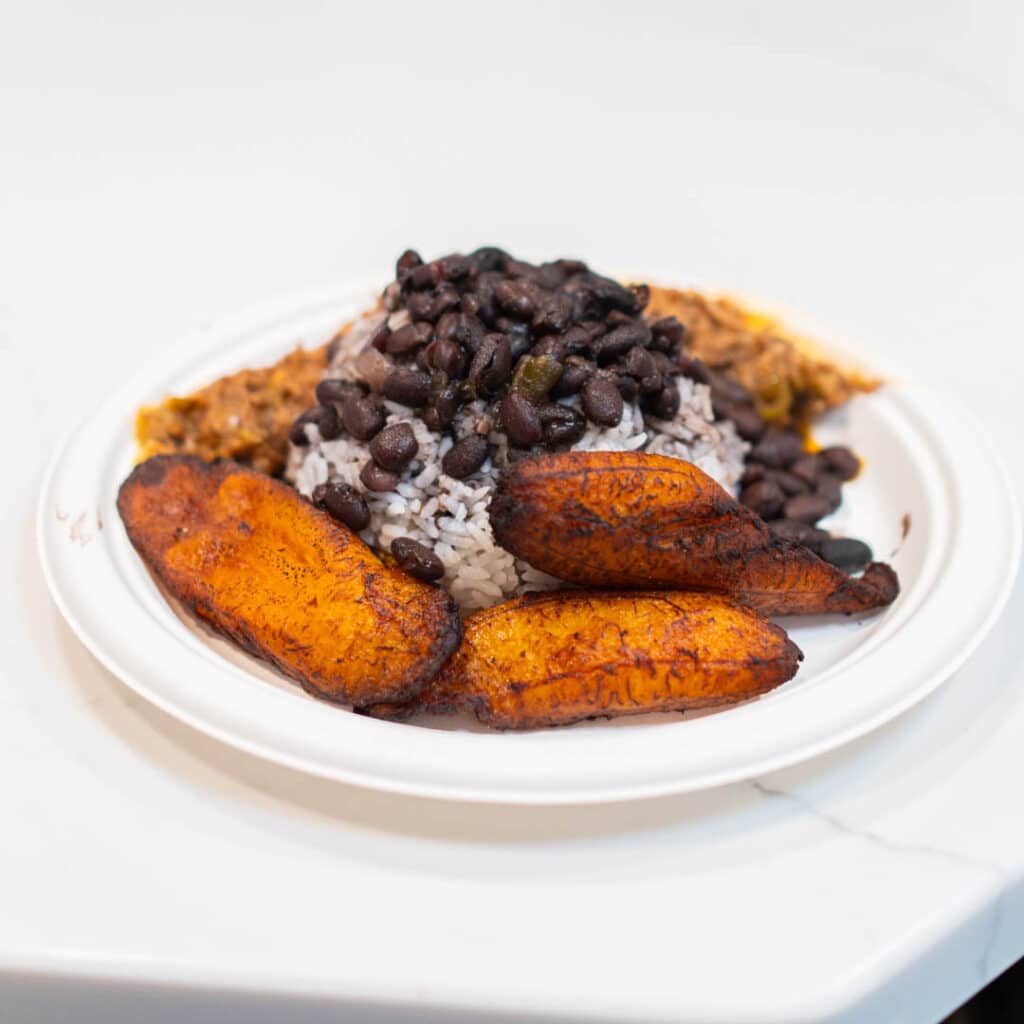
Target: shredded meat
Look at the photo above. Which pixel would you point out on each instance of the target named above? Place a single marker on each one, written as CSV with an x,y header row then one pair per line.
x,y
791,380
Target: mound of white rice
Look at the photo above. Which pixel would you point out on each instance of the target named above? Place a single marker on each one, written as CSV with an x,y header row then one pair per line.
x,y
450,516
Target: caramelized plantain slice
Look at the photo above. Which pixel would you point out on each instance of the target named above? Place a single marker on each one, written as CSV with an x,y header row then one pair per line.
x,y
563,656
626,519
257,562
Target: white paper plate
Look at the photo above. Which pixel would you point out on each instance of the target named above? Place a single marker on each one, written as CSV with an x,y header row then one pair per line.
x,y
926,466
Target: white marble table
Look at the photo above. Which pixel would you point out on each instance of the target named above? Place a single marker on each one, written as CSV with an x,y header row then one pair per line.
x,y
157,170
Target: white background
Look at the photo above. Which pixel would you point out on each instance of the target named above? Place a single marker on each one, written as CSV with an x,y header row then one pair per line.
x,y
164,164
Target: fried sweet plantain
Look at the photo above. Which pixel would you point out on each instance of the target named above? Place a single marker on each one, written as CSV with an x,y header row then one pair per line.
x,y
260,564
563,656
626,519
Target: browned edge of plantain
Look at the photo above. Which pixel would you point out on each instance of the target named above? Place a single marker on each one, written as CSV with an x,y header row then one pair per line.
x,y
634,520
250,557
565,656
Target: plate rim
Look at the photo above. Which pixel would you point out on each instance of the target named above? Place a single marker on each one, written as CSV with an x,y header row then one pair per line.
x,y
179,359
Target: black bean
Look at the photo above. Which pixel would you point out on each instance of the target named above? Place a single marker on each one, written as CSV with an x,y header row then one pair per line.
x,y
420,305
790,484
639,363
297,433
807,468
799,533
807,508
665,404
727,390
448,356
408,386
455,268
519,340
380,337
491,364
752,473
576,339
692,368
575,373
840,461
428,275
618,341
585,303
409,260
520,420
376,479
554,313
362,417
465,457
612,295
765,497
486,282
394,447
333,389
571,266
642,294
520,268
628,387
417,559
489,257
344,503
846,553
602,402
407,338
444,405
668,330
552,345
830,487
747,422
470,303
445,298
550,275
516,297
778,449
562,424
616,318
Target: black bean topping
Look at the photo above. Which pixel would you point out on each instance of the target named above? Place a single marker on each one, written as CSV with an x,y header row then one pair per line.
x,y
789,483
799,533
753,472
374,478
520,420
765,497
748,422
808,468
639,363
297,433
420,305
693,369
470,303
554,313
445,298
417,559
456,268
668,329
840,461
665,404
616,318
602,402
448,356
408,338
519,340
491,364
550,275
516,298
575,373
807,508
465,457
612,295
846,553
408,386
362,417
618,341
380,337
409,260
642,294
344,503
830,487
328,422
489,257
778,449
628,387
428,275
394,447
333,389
562,424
